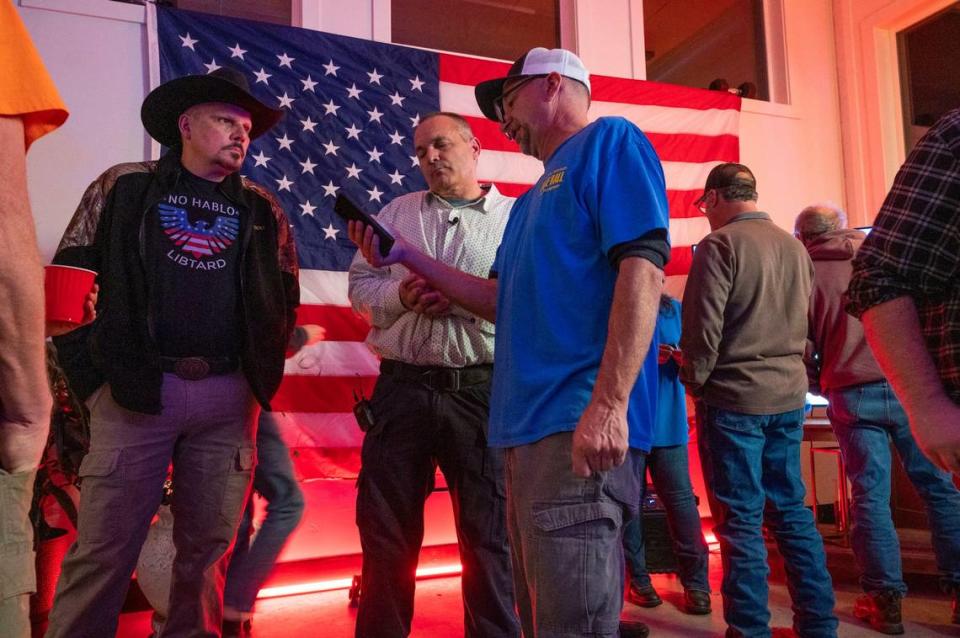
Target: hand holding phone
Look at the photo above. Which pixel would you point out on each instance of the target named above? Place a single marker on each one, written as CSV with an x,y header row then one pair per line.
x,y
349,211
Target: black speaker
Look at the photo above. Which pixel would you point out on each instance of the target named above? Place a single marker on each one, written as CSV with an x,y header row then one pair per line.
x,y
657,544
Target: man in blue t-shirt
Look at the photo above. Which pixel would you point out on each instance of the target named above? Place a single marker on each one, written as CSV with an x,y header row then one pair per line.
x,y
574,291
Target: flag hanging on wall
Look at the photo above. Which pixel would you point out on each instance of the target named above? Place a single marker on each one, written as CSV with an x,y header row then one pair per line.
x,y
351,108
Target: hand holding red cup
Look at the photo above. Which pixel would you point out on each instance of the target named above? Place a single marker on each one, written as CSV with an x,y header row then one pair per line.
x,y
71,297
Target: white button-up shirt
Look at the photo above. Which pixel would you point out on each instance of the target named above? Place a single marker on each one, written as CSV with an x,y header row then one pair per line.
x,y
465,237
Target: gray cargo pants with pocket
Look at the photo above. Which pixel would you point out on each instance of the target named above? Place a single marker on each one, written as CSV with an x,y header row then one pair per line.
x,y
565,535
207,429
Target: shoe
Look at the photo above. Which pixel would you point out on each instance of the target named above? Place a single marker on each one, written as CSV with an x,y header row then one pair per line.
x,y
236,629
696,602
633,629
645,596
881,610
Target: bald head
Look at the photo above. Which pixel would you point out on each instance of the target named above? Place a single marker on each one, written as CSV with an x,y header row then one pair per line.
x,y
818,219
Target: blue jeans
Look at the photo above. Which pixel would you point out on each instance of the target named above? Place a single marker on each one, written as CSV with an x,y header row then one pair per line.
x,y
751,464
253,559
670,472
866,418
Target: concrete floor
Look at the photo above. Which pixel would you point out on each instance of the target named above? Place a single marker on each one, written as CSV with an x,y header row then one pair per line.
x,y
926,610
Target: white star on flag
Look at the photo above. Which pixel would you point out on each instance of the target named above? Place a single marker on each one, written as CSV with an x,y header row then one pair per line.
x,y
330,232
330,108
262,75
374,77
285,142
415,120
330,189
396,99
307,208
354,92
330,148
308,84
374,193
308,124
285,101
416,83
375,114
353,171
414,160
353,133
396,138
213,66
261,159
188,42
283,183
285,60
374,155
331,68
308,166
236,51
396,177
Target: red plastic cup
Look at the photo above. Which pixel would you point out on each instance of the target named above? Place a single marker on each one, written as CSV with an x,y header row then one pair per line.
x,y
66,289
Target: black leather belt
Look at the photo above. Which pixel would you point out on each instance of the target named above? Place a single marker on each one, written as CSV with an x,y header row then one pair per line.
x,y
438,378
196,368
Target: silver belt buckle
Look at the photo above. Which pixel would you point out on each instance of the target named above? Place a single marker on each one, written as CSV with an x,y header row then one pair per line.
x,y
191,368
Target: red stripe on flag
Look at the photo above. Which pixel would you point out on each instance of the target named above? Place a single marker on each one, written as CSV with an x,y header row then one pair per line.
x,y
680,259
687,147
309,393
491,139
459,69
512,190
608,89
340,322
670,147
681,203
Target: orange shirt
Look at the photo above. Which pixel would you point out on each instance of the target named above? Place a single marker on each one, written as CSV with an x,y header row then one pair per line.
x,y
26,89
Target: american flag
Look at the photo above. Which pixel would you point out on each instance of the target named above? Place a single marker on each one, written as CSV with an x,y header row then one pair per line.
x,y
351,108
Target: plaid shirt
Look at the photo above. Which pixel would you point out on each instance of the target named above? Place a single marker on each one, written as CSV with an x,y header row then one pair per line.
x,y
914,248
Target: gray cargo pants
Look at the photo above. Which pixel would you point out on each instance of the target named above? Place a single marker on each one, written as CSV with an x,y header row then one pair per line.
x,y
207,429
565,536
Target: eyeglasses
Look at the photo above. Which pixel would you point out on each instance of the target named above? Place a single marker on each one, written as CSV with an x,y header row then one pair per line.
x,y
498,109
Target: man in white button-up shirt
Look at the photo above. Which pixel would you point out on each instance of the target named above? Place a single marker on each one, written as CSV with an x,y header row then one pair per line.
x,y
431,402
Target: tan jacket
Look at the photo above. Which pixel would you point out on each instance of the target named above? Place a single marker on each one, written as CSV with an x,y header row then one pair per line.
x,y
745,318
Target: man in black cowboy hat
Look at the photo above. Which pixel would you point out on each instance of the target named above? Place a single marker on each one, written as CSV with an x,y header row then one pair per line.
x,y
198,286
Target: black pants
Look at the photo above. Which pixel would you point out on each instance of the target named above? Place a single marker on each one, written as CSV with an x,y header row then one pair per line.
x,y
416,429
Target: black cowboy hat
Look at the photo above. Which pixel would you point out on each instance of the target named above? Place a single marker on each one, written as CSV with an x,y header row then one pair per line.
x,y
162,107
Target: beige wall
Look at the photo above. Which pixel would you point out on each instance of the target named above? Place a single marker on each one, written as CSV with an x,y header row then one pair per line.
x,y
869,90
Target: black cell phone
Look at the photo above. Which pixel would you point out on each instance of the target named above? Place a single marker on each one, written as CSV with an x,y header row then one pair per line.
x,y
351,212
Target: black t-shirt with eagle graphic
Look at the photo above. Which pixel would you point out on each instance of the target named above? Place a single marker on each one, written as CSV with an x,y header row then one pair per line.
x,y
194,234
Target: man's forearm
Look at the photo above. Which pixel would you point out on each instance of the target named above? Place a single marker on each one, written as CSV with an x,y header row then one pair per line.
x,y
475,294
633,316
24,390
893,332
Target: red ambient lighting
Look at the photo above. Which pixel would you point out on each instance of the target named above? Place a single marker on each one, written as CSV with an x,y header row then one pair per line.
x,y
344,583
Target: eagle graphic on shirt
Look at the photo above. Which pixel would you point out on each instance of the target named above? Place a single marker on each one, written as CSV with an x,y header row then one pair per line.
x,y
199,238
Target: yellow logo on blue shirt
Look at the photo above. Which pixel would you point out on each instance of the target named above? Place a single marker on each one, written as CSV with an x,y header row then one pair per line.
x,y
553,180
